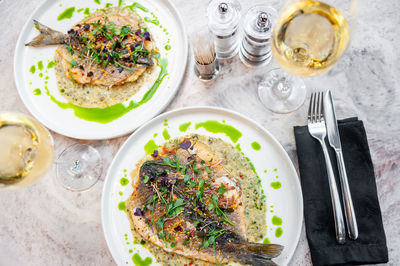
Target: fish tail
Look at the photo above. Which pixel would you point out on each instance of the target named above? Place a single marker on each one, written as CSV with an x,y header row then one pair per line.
x,y
254,253
46,37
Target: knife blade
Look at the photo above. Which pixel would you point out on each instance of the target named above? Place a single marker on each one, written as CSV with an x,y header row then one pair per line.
x,y
334,141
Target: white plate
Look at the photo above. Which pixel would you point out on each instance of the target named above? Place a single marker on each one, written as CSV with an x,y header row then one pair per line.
x,y
287,201
63,121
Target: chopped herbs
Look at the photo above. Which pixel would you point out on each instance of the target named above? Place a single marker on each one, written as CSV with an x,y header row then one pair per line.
x,y
104,43
180,189
221,190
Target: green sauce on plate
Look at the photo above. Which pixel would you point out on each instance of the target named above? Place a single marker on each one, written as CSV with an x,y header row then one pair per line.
x,y
137,5
183,127
138,261
50,64
266,241
121,206
40,65
276,185
124,181
154,21
278,232
150,146
67,14
276,220
256,146
166,134
214,126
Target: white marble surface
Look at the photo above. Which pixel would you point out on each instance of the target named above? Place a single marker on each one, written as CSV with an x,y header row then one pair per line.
x,y
45,224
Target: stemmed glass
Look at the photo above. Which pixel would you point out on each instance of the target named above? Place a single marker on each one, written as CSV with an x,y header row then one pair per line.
x,y
27,153
79,167
308,39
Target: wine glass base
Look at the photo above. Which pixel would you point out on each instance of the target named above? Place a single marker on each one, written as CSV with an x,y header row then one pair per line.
x,y
282,93
79,167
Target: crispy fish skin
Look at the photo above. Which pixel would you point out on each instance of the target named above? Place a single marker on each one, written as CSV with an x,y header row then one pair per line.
x,y
188,235
86,71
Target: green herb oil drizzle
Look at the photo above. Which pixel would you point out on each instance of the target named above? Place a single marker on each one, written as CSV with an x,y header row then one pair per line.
x,y
256,146
50,64
150,146
67,14
121,206
276,185
214,126
124,181
184,127
166,134
137,5
138,261
276,220
266,241
154,21
40,65
32,69
278,232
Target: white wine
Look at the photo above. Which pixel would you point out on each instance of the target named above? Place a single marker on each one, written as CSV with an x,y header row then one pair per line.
x,y
26,151
309,38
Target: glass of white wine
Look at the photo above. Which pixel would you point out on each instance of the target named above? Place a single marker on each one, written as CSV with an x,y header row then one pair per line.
x,y
27,150
27,153
308,39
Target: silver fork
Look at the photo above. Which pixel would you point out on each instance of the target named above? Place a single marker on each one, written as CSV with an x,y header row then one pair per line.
x,y
317,129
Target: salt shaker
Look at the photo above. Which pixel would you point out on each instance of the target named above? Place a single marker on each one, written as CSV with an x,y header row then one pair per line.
x,y
255,49
223,21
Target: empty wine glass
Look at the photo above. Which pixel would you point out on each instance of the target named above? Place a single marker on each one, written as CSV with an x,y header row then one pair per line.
x,y
79,167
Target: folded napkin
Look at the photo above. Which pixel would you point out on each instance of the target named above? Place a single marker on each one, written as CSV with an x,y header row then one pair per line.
x,y
370,247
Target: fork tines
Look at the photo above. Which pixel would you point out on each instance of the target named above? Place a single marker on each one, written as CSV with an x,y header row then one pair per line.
x,y
316,108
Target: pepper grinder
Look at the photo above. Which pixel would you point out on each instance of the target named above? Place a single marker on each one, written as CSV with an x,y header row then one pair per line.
x,y
223,21
255,50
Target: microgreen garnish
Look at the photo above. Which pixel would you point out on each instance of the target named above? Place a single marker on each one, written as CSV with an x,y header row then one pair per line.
x,y
104,43
181,191
221,190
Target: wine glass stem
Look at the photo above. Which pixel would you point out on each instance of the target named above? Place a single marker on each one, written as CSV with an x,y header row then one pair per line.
x,y
77,168
282,88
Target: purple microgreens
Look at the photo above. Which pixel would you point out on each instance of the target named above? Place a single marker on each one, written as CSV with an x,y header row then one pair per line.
x,y
191,158
146,36
155,153
139,32
178,228
185,144
139,212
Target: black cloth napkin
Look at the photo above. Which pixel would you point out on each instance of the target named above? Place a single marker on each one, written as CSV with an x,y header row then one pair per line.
x,y
370,247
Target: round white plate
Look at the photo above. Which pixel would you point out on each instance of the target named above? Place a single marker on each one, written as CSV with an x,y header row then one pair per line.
x,y
285,202
63,121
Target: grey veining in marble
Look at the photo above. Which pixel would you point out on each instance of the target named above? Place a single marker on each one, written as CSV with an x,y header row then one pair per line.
x,y
45,224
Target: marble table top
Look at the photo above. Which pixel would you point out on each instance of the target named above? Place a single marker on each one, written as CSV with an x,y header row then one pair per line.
x,y
44,224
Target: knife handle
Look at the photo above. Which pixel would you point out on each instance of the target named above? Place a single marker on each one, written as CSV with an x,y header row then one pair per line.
x,y
337,208
351,220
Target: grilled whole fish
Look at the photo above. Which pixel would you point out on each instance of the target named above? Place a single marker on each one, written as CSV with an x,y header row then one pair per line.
x,y
108,48
186,202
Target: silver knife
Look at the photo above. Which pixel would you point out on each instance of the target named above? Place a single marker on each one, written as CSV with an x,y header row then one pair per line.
x,y
334,141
